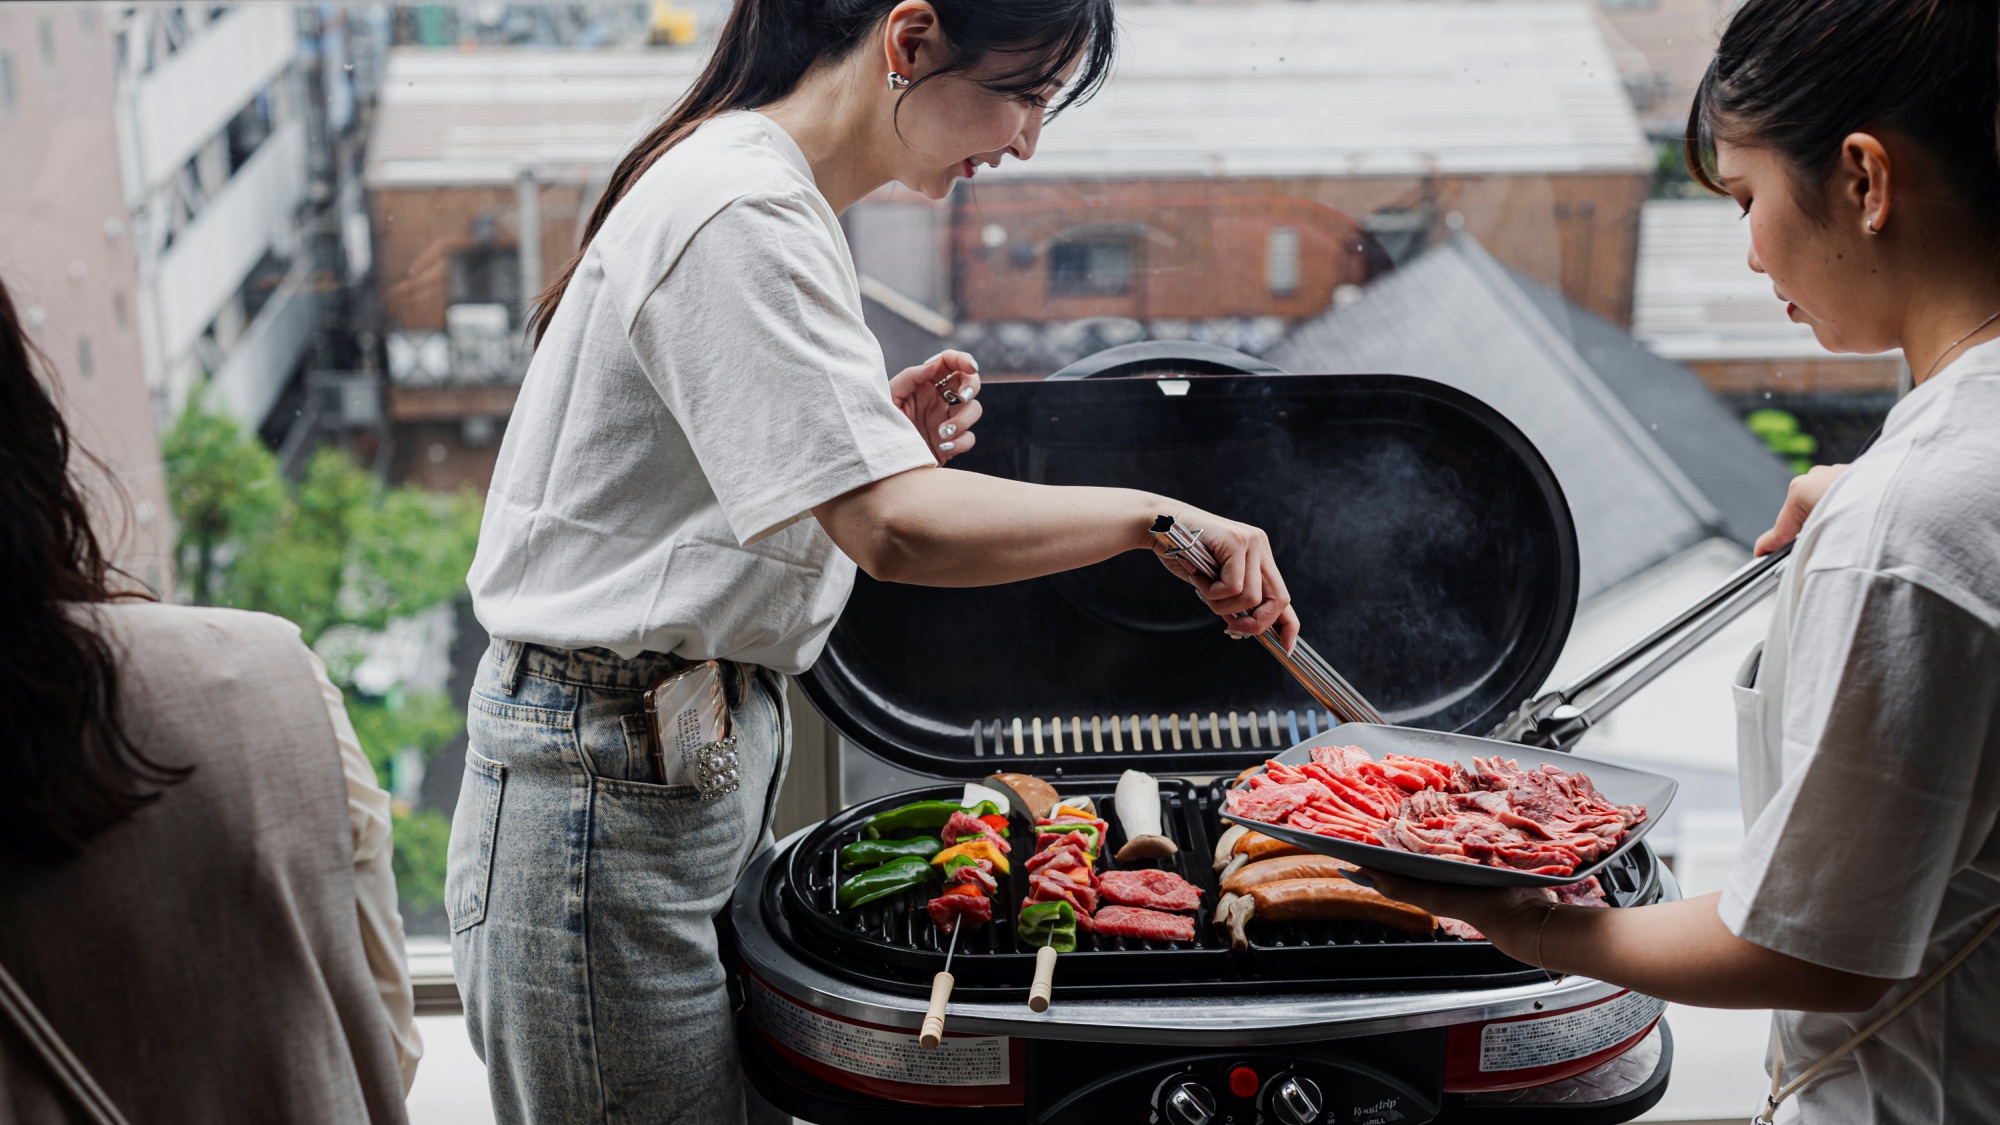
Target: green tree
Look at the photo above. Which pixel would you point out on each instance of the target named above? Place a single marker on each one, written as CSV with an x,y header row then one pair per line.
x,y
223,486
1779,430
337,549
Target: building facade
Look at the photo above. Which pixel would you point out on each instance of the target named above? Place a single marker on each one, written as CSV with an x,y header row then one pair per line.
x,y
67,259
471,149
1245,164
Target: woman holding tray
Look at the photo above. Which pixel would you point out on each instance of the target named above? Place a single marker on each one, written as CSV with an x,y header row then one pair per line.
x,y
705,446
1859,138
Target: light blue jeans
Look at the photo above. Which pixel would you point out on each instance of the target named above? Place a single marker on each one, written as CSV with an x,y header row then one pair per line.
x,y
583,893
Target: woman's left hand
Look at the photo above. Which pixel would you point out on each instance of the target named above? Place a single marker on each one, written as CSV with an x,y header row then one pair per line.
x,y
917,392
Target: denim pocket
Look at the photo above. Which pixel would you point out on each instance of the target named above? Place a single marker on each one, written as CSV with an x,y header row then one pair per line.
x,y
469,862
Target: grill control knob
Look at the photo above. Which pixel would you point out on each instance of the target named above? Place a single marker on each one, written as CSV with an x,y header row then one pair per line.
x,y
1189,1103
1297,1101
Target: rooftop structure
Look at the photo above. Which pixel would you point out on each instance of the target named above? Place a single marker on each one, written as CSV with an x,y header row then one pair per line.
x,y
1698,302
1368,88
482,117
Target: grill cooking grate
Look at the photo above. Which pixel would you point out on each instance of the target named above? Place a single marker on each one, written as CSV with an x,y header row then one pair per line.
x,y
1034,735
893,944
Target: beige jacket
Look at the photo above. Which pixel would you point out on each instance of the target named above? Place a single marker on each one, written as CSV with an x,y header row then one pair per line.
x,y
202,959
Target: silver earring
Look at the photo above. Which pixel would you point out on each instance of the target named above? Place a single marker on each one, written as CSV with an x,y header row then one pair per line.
x,y
1872,228
898,82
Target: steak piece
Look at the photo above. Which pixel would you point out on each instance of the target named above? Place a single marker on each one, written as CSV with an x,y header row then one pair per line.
x,y
949,910
1155,890
1134,922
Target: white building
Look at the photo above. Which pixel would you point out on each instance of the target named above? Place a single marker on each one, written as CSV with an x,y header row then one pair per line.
x,y
212,151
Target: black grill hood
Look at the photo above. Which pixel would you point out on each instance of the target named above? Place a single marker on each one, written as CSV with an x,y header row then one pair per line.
x,y
1425,542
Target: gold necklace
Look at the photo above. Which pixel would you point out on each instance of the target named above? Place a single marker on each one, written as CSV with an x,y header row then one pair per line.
x,y
1957,342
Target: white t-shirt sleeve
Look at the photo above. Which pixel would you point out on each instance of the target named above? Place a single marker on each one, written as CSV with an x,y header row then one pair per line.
x,y
1888,701
764,360
376,912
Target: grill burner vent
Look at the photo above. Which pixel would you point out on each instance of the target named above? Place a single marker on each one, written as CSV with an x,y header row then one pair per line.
x,y
893,945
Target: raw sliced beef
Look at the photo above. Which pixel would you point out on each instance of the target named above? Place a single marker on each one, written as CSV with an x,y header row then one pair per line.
x,y
1156,890
1544,820
1134,922
949,910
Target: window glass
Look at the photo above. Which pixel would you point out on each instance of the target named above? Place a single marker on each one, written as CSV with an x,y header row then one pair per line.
x,y
1088,266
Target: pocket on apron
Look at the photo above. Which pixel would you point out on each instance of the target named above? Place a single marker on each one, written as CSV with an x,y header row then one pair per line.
x,y
1749,707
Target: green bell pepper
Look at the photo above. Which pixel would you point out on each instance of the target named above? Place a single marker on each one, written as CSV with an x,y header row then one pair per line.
x,y
894,877
921,815
873,853
1049,923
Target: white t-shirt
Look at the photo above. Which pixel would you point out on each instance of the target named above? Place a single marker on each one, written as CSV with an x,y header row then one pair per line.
x,y
706,381
1870,759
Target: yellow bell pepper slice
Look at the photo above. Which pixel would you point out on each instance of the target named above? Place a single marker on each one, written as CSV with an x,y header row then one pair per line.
x,y
975,849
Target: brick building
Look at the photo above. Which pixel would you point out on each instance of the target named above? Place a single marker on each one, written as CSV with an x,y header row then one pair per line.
x,y
1247,162
471,148
1699,304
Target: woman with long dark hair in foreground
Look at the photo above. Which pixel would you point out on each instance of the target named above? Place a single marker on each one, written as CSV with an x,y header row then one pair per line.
x,y
195,889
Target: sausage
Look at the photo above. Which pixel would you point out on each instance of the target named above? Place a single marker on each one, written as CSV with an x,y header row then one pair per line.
x,y
1285,867
1320,900
1258,846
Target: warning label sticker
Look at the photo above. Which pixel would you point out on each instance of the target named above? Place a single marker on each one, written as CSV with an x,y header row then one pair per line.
x,y
1565,1037
892,1056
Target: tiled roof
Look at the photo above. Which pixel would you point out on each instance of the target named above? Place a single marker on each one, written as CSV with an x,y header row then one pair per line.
x,y
1650,463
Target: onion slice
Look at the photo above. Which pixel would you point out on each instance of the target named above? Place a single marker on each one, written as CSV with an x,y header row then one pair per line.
x,y
975,793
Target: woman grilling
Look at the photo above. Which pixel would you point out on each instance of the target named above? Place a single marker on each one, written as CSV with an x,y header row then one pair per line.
x,y
703,442
1858,136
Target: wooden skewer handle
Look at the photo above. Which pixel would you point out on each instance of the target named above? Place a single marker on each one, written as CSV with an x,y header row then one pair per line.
x,y
933,1030
1045,976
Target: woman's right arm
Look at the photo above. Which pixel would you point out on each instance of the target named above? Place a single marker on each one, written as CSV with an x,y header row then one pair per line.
x,y
944,527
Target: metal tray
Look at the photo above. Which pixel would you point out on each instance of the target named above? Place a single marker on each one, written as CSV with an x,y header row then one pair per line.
x,y
1622,784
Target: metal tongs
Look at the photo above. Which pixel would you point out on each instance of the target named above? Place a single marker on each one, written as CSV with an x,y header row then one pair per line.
x,y
1556,719
1319,678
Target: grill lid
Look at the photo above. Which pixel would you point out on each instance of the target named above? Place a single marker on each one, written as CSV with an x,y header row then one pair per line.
x,y
1426,544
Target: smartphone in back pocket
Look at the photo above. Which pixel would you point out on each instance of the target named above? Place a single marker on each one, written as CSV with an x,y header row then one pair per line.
x,y
692,742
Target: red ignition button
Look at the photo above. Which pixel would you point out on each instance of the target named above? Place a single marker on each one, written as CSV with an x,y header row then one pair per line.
x,y
1243,1082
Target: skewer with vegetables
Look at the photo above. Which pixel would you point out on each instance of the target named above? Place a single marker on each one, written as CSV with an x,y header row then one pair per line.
x,y
963,843
1062,889
908,846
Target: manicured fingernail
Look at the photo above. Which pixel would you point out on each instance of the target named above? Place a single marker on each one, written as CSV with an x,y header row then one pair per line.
x,y
967,392
1360,877
947,446
974,363
947,430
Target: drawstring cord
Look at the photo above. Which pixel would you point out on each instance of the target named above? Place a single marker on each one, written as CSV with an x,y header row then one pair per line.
x,y
1780,1089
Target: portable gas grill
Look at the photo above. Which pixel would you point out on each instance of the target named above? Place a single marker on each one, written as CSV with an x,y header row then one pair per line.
x,y
1433,558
